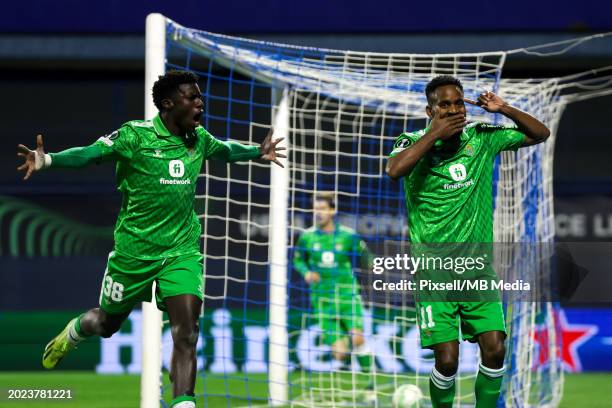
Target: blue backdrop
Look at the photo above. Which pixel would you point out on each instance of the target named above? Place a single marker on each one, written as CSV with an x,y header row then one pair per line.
x,y
274,16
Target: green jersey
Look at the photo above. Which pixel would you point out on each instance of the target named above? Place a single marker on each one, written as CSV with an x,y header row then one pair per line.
x,y
449,196
332,255
156,174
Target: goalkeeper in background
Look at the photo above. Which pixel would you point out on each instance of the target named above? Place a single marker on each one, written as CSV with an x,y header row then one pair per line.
x,y
324,256
447,170
157,235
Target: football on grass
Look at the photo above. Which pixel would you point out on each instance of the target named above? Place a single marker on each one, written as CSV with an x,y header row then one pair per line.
x,y
407,396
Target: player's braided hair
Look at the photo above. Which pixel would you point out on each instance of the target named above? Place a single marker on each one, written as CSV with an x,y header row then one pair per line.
x,y
168,84
327,196
439,81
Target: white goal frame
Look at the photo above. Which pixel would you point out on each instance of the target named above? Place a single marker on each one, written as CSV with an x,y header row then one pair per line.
x,y
150,384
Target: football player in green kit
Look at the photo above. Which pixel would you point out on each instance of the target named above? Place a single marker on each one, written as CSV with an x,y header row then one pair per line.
x,y
157,235
447,170
324,255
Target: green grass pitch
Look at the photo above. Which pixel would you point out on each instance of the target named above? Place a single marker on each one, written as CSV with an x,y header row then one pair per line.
x,y
122,391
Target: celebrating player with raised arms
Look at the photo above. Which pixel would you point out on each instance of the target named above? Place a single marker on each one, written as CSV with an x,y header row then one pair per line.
x,y
448,170
324,256
157,235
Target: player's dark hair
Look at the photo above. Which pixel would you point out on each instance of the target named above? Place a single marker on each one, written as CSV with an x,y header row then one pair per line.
x,y
327,196
439,81
166,85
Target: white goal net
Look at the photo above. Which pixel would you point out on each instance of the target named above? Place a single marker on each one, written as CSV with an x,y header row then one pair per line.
x,y
340,112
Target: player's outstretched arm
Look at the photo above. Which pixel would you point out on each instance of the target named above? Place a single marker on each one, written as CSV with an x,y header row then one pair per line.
x,y
534,130
441,129
34,159
231,151
76,157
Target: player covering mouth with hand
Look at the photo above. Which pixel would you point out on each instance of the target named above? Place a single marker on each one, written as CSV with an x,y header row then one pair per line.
x,y
447,170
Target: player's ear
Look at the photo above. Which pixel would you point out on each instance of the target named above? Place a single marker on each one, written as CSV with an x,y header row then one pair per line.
x,y
429,111
167,103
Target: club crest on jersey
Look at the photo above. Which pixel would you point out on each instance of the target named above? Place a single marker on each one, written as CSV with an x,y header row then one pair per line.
x,y
176,168
457,172
327,258
469,150
338,247
158,153
316,246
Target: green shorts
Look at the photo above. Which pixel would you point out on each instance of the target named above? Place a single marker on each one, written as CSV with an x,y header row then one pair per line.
x,y
338,317
128,281
439,322
448,309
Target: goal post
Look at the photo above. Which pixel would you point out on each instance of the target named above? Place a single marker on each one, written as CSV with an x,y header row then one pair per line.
x,y
150,380
278,350
151,384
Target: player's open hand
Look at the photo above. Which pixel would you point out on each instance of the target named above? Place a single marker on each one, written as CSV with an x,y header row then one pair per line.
x,y
448,126
312,277
269,150
34,159
487,101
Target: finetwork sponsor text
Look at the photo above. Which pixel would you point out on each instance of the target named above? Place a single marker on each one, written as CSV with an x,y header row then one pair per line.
x,y
175,181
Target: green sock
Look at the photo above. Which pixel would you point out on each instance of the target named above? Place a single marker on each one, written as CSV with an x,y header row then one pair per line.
x,y
441,389
364,357
75,334
77,326
488,386
365,361
186,401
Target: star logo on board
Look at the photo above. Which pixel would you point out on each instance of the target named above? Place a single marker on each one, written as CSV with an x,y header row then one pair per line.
x,y
572,337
